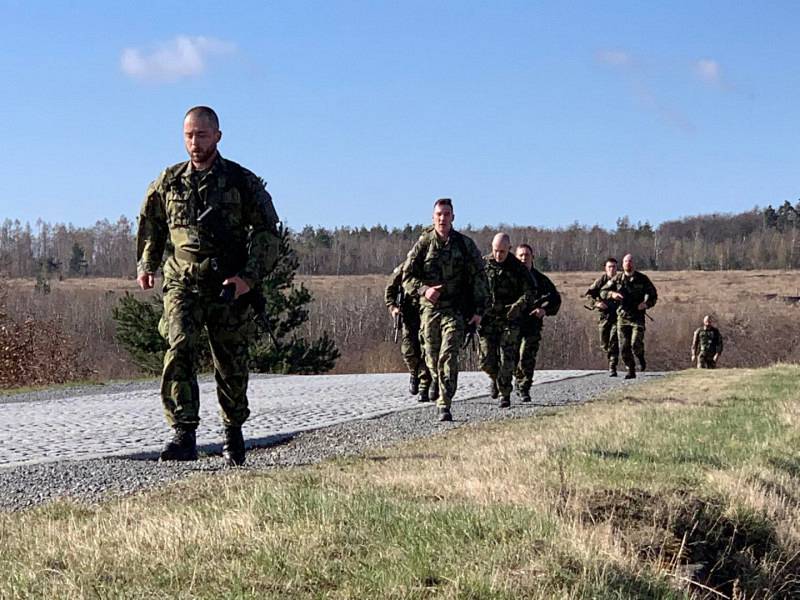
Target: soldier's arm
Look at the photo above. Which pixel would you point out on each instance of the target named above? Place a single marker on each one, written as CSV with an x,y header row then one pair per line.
x,y
151,234
390,295
554,298
528,296
695,342
413,282
480,283
652,294
594,289
719,345
264,239
612,285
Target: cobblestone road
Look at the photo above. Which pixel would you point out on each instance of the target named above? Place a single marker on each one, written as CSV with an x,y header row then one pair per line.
x,y
131,423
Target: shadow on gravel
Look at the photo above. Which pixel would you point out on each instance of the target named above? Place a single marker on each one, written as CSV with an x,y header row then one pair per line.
x,y
211,449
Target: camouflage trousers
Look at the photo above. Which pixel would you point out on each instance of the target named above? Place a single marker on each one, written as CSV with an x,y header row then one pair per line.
x,y
498,353
609,342
411,347
229,329
706,361
631,342
526,358
442,332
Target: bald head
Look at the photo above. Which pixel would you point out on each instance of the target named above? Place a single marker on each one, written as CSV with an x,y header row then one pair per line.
x,y
627,263
501,244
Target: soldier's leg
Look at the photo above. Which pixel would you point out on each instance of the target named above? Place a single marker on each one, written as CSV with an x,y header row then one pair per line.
x,y
509,344
637,344
413,352
529,348
452,332
182,320
230,330
624,333
610,342
431,338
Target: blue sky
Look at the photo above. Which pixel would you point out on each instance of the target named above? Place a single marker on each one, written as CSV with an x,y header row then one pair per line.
x,y
356,113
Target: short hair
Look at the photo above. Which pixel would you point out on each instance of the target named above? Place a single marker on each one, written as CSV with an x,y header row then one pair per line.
x,y
610,259
445,201
206,112
528,246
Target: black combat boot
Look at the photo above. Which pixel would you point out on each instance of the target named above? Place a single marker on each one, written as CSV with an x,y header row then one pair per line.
x,y
525,395
631,374
433,393
444,414
642,363
493,391
505,402
423,396
233,448
612,370
182,446
413,384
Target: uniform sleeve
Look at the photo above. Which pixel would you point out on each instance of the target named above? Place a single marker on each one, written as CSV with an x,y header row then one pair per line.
x,y
264,239
719,339
612,285
695,341
594,289
480,283
548,288
528,296
151,234
413,282
652,294
395,283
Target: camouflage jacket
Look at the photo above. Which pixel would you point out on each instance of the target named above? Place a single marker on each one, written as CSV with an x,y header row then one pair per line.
x,y
512,290
635,289
238,228
706,342
594,293
395,287
454,263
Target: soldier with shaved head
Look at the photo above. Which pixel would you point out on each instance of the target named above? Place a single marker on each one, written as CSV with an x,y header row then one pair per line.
x,y
706,344
634,293
512,291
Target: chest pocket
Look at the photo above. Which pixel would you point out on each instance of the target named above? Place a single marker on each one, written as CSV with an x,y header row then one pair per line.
x,y
230,208
180,208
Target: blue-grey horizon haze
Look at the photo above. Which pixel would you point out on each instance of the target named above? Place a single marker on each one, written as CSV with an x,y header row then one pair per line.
x,y
362,113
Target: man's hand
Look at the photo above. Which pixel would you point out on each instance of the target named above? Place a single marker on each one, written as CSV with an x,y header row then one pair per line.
x,y
615,295
394,311
146,280
475,320
538,313
241,285
433,293
716,357
601,305
642,306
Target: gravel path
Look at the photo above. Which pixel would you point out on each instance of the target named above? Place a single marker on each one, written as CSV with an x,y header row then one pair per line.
x,y
95,479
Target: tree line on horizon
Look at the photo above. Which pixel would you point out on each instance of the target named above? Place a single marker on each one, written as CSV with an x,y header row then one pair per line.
x,y
757,239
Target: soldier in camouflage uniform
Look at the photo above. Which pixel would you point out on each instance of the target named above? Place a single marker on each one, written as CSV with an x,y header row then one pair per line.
x,y
546,302
511,291
445,271
635,293
400,303
706,344
219,228
607,323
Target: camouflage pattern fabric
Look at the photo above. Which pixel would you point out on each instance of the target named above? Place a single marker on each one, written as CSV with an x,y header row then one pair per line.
x,y
607,321
410,343
531,329
457,265
512,290
706,343
636,288
237,236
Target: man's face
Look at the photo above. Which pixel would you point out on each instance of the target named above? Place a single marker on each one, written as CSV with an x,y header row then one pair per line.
x,y
708,322
443,219
525,256
500,250
627,263
611,268
201,138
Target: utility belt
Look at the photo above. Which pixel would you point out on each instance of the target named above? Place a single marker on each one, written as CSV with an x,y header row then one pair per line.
x,y
207,271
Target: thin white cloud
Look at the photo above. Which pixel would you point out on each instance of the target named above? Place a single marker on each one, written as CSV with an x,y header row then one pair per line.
x,y
184,56
615,58
708,71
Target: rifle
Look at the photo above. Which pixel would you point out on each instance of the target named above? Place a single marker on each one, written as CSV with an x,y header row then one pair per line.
x,y
469,338
254,297
398,318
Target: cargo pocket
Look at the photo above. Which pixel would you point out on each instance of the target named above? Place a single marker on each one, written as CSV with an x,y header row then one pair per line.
x,y
179,210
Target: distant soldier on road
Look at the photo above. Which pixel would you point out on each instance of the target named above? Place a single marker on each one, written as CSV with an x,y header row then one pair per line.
x,y
219,228
512,291
445,271
607,323
706,344
635,293
408,309
546,302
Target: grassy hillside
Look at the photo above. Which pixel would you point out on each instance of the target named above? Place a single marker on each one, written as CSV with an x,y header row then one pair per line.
x,y
686,485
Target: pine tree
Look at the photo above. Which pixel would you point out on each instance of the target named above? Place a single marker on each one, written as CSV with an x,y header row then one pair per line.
x,y
278,348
